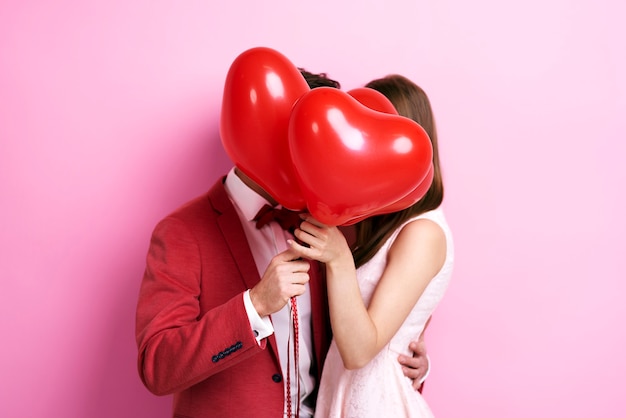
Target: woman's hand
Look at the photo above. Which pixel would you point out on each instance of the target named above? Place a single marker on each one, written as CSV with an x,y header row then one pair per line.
x,y
323,243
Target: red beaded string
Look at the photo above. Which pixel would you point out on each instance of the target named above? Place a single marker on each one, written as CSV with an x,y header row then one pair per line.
x,y
296,349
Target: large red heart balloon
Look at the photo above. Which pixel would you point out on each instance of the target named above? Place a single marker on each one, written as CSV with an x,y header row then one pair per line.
x,y
403,203
351,160
414,196
378,101
261,88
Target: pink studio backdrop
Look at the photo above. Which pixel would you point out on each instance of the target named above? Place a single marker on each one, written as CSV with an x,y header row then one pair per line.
x,y
109,120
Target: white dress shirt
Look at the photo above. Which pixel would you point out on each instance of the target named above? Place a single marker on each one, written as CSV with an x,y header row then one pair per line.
x,y
265,243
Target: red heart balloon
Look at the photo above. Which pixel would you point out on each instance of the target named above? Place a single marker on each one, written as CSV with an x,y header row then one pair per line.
x,y
405,202
351,160
378,101
373,99
413,197
261,88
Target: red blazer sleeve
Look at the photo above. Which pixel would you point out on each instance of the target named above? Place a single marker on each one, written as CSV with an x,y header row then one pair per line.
x,y
183,338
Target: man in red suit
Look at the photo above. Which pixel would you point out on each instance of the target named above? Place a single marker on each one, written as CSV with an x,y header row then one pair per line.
x,y
213,323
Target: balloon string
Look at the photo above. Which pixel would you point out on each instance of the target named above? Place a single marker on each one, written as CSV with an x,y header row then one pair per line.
x,y
296,349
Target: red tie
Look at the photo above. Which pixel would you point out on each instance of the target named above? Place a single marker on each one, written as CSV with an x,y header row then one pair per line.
x,y
289,221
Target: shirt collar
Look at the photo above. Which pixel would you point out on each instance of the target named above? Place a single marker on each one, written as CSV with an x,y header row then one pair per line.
x,y
247,200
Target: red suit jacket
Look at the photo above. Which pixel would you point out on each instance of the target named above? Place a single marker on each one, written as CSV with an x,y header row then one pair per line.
x,y
193,334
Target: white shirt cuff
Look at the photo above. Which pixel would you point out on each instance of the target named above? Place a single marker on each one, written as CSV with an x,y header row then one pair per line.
x,y
261,327
423,379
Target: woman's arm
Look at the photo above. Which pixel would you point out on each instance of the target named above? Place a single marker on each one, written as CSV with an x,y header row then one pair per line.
x,y
414,259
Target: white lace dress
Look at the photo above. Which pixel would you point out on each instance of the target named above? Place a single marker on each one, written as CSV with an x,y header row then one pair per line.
x,y
380,389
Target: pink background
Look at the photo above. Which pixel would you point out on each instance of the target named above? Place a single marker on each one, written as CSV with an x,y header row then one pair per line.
x,y
109,120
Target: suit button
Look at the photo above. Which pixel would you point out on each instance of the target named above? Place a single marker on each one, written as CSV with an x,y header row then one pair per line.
x,y
277,378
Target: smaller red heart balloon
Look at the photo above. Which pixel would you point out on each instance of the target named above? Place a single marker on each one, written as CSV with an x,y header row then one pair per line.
x,y
350,160
373,99
261,88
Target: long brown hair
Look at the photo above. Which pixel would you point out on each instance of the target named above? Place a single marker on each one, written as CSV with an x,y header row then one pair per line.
x,y
412,102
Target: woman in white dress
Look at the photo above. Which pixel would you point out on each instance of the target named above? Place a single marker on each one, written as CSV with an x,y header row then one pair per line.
x,y
382,293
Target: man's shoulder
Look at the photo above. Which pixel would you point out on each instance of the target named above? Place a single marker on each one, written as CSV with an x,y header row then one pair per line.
x,y
208,204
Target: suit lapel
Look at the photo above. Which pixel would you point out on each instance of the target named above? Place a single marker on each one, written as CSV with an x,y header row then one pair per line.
x,y
234,236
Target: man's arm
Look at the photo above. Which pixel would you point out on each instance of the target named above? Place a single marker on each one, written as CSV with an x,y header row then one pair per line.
x,y
179,344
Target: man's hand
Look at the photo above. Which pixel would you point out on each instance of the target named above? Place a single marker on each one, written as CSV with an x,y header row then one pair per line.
x,y
416,367
285,277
